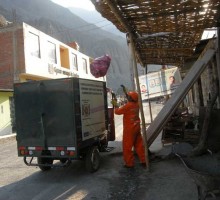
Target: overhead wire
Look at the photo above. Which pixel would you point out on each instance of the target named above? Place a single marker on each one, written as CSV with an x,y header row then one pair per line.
x,y
83,26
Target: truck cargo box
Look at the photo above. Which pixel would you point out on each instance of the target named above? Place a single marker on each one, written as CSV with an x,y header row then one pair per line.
x,y
60,119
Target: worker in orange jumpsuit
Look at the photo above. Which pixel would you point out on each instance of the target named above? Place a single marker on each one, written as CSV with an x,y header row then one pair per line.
x,y
131,131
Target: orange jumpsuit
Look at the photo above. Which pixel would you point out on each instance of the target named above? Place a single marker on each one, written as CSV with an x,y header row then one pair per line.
x,y
131,133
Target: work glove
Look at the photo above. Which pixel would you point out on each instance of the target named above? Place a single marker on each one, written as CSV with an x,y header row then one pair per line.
x,y
114,103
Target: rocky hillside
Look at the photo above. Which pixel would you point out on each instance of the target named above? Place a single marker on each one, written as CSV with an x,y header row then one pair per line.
x,y
63,25
94,17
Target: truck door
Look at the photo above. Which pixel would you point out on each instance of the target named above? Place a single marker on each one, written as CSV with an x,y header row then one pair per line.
x,y
28,114
58,112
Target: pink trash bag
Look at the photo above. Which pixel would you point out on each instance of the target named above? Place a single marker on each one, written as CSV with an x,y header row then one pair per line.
x,y
100,65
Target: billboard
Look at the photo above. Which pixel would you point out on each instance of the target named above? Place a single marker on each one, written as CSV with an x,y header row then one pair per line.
x,y
160,83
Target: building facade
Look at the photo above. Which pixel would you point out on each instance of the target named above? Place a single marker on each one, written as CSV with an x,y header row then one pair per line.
x,y
5,112
27,54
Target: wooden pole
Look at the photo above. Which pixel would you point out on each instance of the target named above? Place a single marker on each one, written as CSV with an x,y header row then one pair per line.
x,y
132,35
143,126
201,147
125,23
149,102
150,110
149,106
218,60
131,65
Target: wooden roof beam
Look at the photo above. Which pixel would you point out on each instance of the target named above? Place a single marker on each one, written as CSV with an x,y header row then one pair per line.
x,y
125,23
120,18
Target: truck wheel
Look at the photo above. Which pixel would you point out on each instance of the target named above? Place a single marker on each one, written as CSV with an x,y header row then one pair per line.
x,y
45,161
92,159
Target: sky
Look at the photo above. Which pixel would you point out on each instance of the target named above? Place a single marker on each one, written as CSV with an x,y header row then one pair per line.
x,y
85,4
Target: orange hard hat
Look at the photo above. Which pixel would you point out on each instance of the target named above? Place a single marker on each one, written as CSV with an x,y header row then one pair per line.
x,y
133,95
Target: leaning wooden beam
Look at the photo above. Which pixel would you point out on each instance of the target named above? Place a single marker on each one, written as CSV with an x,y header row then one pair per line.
x,y
172,104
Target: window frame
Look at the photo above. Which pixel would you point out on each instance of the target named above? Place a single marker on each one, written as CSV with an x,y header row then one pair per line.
x,y
85,66
74,60
52,60
34,43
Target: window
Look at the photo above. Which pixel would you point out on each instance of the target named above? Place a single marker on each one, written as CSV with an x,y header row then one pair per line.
x,y
34,45
74,62
64,57
52,52
85,66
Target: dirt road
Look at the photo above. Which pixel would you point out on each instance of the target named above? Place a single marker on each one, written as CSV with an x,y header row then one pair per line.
x,y
166,180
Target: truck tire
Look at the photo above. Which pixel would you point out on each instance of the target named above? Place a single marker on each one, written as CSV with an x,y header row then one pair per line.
x,y
92,159
44,161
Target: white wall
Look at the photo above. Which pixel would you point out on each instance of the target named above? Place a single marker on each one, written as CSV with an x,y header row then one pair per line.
x,y
43,68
